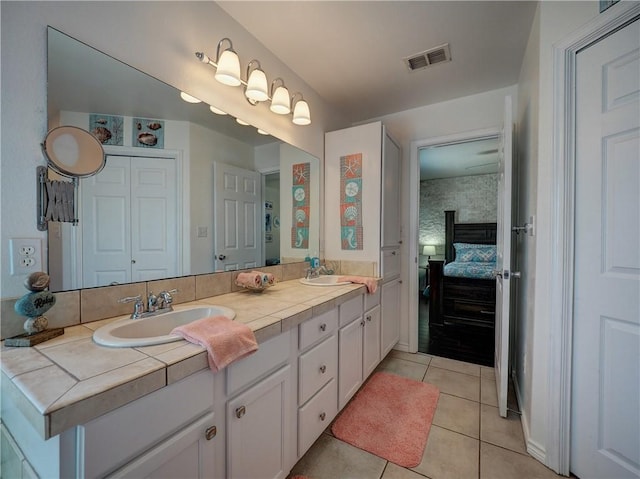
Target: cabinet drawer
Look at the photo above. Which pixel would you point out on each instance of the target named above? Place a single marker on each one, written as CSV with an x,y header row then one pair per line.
x,y
316,415
475,290
270,354
315,329
371,300
316,367
350,310
480,311
390,263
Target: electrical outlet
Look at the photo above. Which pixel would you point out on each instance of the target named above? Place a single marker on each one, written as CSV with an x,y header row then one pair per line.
x,y
26,255
27,250
27,262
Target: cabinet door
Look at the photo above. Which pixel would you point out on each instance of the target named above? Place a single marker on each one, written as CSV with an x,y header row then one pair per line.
x,y
350,361
390,327
391,188
371,347
187,454
259,442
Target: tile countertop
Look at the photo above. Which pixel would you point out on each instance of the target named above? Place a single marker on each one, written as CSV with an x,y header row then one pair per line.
x,y
70,380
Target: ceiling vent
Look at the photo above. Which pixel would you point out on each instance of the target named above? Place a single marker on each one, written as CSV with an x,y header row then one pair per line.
x,y
439,54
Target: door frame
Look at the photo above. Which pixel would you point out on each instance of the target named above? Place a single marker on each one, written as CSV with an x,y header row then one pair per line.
x,y
560,336
414,219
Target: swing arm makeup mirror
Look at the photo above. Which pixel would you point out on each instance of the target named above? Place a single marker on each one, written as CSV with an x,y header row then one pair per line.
x,y
73,152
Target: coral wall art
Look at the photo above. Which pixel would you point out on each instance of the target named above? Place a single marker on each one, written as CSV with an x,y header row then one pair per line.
x,y
351,202
301,173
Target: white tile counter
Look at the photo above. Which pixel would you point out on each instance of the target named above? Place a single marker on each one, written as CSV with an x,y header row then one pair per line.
x,y
70,379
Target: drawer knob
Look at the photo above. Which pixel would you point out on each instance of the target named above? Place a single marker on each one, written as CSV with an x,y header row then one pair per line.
x,y
211,432
323,416
323,369
240,411
323,327
368,317
362,323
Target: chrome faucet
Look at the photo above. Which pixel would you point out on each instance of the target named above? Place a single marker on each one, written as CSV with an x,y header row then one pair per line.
x,y
155,304
152,302
165,300
316,272
138,305
312,273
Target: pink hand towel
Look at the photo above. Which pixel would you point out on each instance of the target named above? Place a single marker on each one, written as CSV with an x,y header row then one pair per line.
x,y
226,340
249,280
370,283
267,278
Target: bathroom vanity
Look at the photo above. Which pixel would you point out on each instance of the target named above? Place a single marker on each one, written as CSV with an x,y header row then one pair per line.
x,y
256,418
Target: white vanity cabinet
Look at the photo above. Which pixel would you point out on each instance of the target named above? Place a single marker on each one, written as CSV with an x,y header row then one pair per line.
x,y
157,432
317,377
362,190
377,202
188,453
390,309
261,413
359,344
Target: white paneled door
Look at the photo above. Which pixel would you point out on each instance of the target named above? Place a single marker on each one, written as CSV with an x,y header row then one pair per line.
x,y
238,213
605,412
129,221
503,260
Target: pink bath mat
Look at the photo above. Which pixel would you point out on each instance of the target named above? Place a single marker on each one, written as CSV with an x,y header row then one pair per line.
x,y
390,417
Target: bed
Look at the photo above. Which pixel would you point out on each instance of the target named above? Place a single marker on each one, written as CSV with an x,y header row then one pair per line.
x,y
462,292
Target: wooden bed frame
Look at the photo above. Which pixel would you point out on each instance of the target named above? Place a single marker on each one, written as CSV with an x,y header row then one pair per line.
x,y
462,310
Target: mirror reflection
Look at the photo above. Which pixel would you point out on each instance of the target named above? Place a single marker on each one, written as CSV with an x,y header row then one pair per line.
x,y
184,191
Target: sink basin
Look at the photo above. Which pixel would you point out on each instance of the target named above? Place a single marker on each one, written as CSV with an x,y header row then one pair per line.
x,y
129,333
324,280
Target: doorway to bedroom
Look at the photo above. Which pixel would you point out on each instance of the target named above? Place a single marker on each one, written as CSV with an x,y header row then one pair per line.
x,y
458,175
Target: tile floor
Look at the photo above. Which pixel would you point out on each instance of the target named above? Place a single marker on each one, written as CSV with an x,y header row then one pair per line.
x,y
468,439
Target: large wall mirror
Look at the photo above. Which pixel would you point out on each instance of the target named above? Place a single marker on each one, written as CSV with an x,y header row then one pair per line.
x,y
184,191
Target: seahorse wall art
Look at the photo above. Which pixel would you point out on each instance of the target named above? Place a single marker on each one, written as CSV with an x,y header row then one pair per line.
x,y
301,173
351,202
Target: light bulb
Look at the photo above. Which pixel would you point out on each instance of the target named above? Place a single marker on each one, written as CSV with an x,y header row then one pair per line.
x,y
228,71
280,103
301,114
188,98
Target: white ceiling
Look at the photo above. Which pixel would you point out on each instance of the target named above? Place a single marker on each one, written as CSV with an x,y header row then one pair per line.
x,y
469,158
351,52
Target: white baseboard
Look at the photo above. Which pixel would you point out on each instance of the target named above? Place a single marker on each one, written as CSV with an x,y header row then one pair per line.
x,y
534,449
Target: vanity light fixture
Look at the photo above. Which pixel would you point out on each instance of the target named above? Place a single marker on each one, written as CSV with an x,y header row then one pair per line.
x,y
280,101
217,111
256,89
188,98
241,122
228,69
301,114
227,65
262,132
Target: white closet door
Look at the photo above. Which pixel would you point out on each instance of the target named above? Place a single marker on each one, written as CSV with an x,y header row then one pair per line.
x,y
605,412
128,221
154,228
106,224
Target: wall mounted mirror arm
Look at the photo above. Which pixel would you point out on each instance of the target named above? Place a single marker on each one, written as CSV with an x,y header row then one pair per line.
x,y
73,153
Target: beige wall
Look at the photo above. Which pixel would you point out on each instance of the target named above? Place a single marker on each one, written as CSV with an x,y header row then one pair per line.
x,y
159,38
